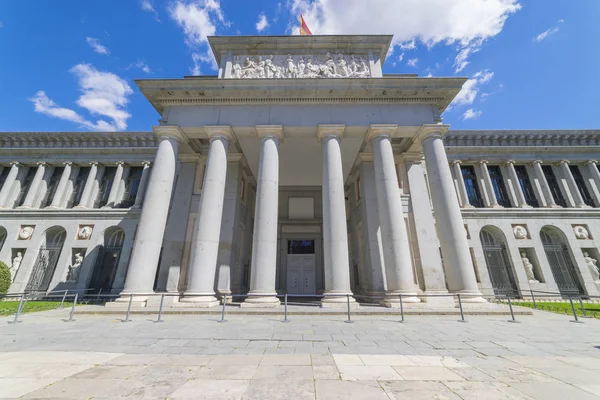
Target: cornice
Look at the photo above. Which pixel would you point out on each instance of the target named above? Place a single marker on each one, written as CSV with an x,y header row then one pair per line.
x,y
69,140
519,139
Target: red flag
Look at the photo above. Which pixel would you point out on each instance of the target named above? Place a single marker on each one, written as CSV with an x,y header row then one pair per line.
x,y
303,27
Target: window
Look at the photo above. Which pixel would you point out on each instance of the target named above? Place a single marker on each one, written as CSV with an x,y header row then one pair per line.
x,y
132,186
468,174
106,185
498,185
78,186
52,186
526,186
301,247
553,185
580,183
25,186
3,176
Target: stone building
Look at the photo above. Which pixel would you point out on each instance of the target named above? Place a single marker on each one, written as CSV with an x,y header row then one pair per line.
x,y
302,169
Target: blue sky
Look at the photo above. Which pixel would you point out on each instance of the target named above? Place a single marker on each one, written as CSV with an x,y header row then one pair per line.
x,y
69,65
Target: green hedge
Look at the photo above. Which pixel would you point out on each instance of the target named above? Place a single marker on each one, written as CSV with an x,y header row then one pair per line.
x,y
4,278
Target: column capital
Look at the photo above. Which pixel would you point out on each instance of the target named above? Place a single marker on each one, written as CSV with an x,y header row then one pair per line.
x,y
120,162
219,131
41,163
592,162
275,131
428,131
94,163
169,131
324,130
16,164
147,163
481,162
509,162
454,162
414,158
537,162
563,162
68,163
376,130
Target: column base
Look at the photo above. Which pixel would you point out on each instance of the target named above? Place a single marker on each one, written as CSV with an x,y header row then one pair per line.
x,y
439,301
198,300
525,206
139,299
333,300
469,297
392,299
553,206
260,301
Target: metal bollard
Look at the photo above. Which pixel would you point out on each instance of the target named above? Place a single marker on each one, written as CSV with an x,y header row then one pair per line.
x,y
576,320
583,309
19,310
72,313
128,309
462,315
348,321
512,314
285,318
98,297
533,298
223,310
401,308
162,299
63,299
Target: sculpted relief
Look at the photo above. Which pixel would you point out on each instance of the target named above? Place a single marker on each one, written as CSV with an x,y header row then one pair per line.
x,y
327,66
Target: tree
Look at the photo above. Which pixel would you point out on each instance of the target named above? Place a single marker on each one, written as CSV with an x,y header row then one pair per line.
x,y
5,278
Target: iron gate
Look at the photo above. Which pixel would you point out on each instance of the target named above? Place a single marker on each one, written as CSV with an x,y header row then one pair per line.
x,y
498,266
562,269
105,269
44,267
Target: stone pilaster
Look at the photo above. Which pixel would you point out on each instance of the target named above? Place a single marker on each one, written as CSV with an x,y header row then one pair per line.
x,y
516,185
548,198
86,196
139,197
62,186
459,183
35,186
9,183
575,193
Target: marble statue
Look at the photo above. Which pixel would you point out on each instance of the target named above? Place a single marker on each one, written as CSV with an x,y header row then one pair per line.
x,y
593,266
73,273
528,269
14,267
581,232
290,66
520,232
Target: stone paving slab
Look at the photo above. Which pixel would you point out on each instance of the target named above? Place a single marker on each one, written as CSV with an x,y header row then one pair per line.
x,y
312,357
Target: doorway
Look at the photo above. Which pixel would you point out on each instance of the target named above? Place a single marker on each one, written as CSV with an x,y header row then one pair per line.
x,y
301,267
107,261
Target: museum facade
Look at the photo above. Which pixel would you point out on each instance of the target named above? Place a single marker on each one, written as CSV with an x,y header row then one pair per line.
x,y
302,169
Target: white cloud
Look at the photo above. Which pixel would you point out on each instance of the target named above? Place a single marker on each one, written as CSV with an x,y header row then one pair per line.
x,y
143,66
471,114
408,45
471,88
547,32
465,24
198,20
262,23
95,44
412,62
147,6
104,94
401,57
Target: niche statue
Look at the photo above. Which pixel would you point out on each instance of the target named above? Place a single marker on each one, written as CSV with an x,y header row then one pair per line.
x,y
528,268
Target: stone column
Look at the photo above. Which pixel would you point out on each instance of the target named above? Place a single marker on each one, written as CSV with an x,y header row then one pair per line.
x,y
9,183
86,196
488,188
460,274
591,168
116,185
335,231
537,167
139,197
207,230
35,185
150,231
516,185
433,280
461,189
577,198
62,186
264,244
396,248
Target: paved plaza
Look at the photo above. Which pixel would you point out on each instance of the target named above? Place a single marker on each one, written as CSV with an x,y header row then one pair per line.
x,y
312,357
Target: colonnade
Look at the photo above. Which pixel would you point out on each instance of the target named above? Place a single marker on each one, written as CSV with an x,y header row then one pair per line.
x,y
205,240
65,186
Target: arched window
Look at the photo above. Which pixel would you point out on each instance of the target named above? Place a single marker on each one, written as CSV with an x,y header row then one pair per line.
x,y
47,259
498,262
107,260
560,260
2,236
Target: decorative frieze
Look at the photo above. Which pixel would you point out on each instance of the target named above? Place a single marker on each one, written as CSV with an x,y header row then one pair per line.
x,y
521,138
301,66
59,140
